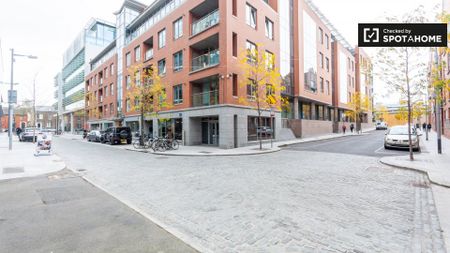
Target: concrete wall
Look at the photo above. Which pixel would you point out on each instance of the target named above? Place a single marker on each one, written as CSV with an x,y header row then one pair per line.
x,y
316,127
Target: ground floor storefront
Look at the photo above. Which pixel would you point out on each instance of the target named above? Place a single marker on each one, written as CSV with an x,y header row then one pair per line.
x,y
73,122
223,126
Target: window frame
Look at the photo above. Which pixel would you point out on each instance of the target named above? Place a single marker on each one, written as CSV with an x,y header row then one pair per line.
x,y
162,38
249,10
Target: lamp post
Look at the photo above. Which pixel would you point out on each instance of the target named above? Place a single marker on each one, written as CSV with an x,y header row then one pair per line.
x,y
437,103
10,104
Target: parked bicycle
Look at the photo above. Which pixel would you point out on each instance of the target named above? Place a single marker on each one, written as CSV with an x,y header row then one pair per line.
x,y
163,144
141,142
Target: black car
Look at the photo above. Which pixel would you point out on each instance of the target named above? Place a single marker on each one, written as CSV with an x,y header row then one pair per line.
x,y
117,135
94,135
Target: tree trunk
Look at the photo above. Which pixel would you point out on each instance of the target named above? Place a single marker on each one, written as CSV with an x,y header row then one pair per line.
x,y
259,126
411,155
141,137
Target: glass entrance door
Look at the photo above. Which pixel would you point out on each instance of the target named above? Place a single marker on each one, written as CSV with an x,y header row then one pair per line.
x,y
210,131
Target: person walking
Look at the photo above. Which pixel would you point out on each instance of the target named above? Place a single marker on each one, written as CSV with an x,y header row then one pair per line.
x,y
352,127
424,126
429,127
344,127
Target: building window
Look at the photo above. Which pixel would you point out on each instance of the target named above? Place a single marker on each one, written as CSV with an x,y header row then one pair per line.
x,y
178,94
322,88
178,28
234,7
327,41
306,111
269,91
310,52
111,69
269,29
178,61
111,108
137,78
327,61
321,35
106,72
128,59
250,15
270,61
106,91
321,60
251,52
235,45
137,54
111,89
128,105
128,82
235,85
162,67
251,93
328,87
162,38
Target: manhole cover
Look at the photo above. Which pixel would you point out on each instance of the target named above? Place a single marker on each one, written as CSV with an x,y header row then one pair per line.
x,y
12,170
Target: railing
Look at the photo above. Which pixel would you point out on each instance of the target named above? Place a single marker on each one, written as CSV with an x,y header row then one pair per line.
x,y
205,98
206,60
206,22
149,54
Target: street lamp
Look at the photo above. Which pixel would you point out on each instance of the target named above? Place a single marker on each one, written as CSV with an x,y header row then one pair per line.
x,y
10,104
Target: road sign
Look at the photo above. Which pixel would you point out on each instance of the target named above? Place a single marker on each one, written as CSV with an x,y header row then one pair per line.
x,y
12,97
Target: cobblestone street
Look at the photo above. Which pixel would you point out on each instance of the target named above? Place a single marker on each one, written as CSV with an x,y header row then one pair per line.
x,y
315,202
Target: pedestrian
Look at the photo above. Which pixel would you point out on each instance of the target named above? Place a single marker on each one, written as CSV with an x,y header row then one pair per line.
x,y
429,127
424,126
417,126
352,127
344,127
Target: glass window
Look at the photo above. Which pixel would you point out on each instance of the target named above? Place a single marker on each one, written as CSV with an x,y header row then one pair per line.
x,y
321,35
178,28
251,89
128,80
250,15
310,52
270,61
178,61
111,89
328,87
343,82
137,78
178,94
321,60
106,91
128,105
235,85
322,88
269,29
128,59
162,67
327,61
111,69
137,53
162,38
306,111
251,52
327,41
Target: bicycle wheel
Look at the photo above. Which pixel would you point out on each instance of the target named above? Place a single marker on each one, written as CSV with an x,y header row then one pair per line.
x,y
175,145
137,144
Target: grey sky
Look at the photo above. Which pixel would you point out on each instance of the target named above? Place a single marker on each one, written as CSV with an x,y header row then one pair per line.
x,y
45,28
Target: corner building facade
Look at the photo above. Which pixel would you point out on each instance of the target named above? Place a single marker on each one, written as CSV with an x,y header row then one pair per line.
x,y
195,47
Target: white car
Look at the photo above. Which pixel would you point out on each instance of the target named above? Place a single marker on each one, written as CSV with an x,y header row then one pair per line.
x,y
381,126
397,137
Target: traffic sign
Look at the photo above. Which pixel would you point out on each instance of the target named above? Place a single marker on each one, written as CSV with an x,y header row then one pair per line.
x,y
12,97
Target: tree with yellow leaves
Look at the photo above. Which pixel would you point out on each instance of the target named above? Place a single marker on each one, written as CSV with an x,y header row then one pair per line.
x,y
359,104
147,92
262,81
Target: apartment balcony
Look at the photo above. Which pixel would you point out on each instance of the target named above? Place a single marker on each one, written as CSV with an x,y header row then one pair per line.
x,y
205,98
205,61
206,22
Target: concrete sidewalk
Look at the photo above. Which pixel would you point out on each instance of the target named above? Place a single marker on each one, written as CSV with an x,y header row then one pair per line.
x,y
21,161
253,149
436,166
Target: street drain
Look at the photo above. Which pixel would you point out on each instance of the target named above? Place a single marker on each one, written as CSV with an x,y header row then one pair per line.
x,y
81,170
421,184
12,170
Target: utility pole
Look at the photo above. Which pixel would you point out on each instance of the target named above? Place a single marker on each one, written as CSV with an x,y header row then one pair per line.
x,y
34,108
438,98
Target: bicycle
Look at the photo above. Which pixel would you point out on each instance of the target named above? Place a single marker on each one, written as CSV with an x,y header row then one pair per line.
x,y
163,144
141,142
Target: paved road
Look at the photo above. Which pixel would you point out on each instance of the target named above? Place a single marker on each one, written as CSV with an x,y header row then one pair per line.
x,y
288,201
63,213
368,144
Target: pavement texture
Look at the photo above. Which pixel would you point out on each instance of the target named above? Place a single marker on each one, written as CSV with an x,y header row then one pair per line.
x,y
21,161
62,212
288,201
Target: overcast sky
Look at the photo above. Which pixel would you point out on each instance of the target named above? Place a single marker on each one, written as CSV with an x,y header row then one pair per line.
x,y
45,28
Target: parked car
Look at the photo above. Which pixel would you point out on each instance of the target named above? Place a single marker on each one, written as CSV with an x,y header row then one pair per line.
x,y
95,135
117,135
27,135
397,137
381,126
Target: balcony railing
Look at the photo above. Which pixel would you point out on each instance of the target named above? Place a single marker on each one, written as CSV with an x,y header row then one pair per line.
x,y
206,60
206,22
205,98
149,54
